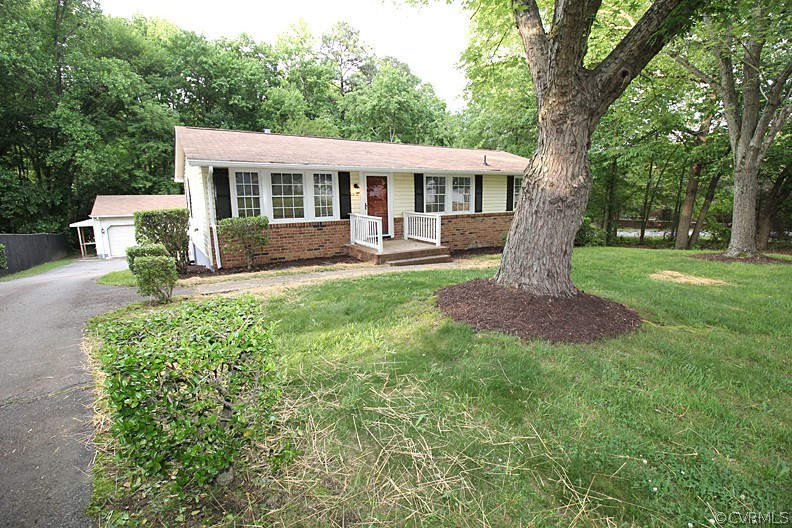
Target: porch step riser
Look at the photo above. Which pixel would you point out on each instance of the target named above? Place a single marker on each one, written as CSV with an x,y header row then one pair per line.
x,y
437,259
368,255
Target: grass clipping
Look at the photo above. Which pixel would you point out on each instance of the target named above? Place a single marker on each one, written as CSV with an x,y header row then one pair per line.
x,y
683,278
409,462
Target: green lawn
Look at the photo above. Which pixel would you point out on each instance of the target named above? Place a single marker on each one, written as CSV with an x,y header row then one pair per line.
x,y
402,417
118,278
41,268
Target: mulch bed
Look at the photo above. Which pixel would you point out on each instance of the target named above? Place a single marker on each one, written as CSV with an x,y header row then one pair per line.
x,y
583,318
202,271
753,259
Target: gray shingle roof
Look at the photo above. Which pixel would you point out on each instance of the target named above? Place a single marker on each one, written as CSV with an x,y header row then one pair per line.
x,y
212,145
127,204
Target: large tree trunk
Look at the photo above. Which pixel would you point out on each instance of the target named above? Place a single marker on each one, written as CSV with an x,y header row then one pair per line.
x,y
610,216
705,205
743,232
686,213
571,100
555,191
778,194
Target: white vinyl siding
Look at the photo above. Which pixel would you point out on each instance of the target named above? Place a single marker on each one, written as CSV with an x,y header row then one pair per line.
x,y
404,193
198,179
493,196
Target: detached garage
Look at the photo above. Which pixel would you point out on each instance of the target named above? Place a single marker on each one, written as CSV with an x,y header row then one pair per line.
x,y
113,221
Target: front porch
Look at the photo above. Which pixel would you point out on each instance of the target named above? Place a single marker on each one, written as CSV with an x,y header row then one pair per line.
x,y
421,243
398,252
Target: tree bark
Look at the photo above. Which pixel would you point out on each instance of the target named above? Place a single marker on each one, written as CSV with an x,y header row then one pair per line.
x,y
610,216
646,206
743,233
555,190
778,194
571,99
705,205
686,212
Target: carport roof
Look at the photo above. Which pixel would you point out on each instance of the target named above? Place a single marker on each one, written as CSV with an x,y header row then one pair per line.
x,y
128,204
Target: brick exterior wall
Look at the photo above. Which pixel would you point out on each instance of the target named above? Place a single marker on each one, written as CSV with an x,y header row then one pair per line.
x,y
289,242
475,230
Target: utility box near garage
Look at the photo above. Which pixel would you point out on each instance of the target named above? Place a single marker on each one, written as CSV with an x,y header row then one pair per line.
x,y
113,220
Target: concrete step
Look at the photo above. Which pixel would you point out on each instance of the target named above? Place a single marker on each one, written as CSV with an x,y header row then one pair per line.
x,y
415,261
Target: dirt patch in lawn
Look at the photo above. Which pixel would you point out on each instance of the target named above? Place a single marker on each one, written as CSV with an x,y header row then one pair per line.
x,y
682,278
753,259
583,318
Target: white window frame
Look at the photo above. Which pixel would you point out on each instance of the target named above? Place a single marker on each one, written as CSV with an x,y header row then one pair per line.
x,y
336,205
518,180
265,195
232,184
305,217
449,199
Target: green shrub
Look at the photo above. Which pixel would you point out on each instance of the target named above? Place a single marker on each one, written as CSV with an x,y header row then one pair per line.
x,y
190,386
168,227
156,276
588,234
245,234
3,257
144,250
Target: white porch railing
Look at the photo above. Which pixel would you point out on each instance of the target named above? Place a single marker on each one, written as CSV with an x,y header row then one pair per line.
x,y
422,226
366,231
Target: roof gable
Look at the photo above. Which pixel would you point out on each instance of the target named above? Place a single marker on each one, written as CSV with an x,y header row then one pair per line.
x,y
213,146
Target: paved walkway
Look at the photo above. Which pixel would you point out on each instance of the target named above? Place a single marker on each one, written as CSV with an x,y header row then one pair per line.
x,y
321,276
45,393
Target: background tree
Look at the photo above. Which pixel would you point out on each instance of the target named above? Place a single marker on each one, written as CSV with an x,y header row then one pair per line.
x,y
395,107
750,71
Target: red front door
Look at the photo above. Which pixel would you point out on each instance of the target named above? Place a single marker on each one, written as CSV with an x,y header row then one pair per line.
x,y
377,199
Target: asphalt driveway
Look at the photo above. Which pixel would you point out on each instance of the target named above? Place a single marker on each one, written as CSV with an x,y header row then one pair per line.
x,y
45,392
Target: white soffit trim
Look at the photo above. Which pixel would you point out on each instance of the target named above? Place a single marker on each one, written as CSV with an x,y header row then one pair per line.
x,y
259,165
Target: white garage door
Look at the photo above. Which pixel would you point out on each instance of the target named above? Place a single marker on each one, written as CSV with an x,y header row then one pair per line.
x,y
120,238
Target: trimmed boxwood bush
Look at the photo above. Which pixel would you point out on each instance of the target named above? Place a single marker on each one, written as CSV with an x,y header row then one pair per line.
x,y
168,227
245,234
188,387
3,257
156,276
144,250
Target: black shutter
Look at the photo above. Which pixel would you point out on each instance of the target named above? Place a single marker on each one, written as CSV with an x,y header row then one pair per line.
x,y
222,194
479,192
344,194
419,193
510,193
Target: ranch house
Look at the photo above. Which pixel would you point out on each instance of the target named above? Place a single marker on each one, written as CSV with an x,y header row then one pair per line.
x,y
328,197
